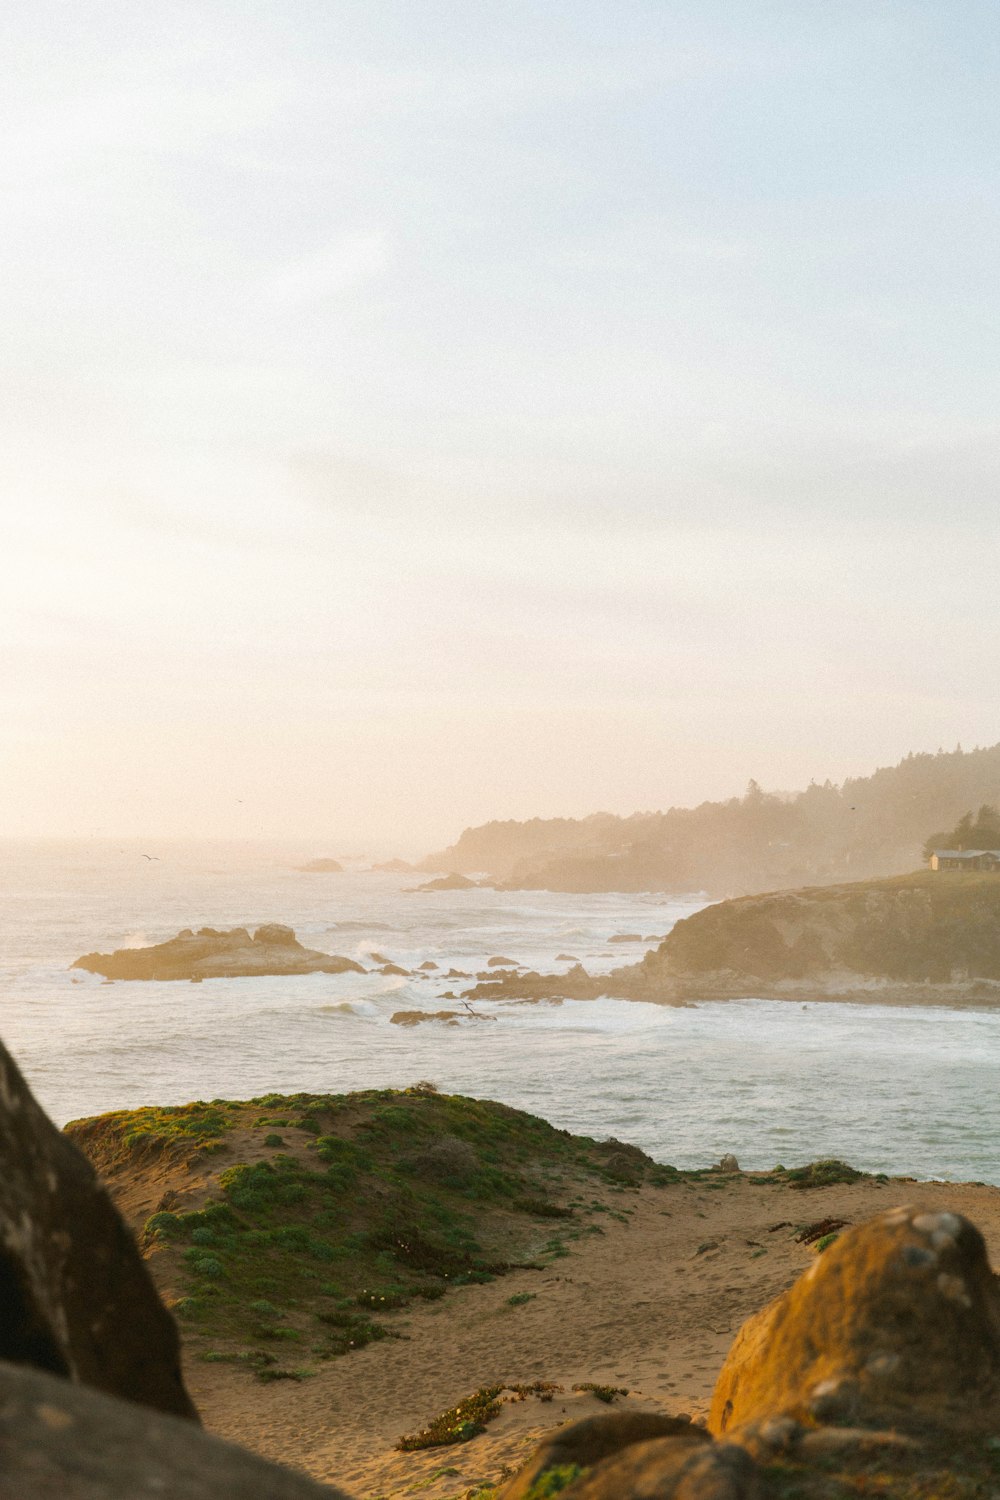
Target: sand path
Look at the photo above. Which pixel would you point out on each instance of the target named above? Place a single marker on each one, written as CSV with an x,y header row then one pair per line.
x,y
652,1302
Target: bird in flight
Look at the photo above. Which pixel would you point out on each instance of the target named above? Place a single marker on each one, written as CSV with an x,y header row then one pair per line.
x,y
149,856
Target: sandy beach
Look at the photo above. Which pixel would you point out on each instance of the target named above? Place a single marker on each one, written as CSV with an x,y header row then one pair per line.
x,y
652,1304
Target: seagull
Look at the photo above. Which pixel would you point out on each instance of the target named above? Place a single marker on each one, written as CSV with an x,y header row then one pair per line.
x,y
149,856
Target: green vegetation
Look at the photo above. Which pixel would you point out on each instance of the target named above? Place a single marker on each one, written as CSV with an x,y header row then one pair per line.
x,y
553,1480
466,1420
365,1203
459,1423
605,1393
979,832
175,1130
826,1173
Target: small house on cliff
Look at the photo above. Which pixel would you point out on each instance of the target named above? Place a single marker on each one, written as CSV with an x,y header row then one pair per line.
x,y
965,859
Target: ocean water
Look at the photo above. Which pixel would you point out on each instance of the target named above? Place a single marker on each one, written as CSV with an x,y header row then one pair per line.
x,y
901,1090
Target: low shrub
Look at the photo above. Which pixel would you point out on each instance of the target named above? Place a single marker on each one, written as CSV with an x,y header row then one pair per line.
x,y
826,1173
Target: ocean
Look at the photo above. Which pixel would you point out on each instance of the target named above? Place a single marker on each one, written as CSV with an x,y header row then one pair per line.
x,y
909,1091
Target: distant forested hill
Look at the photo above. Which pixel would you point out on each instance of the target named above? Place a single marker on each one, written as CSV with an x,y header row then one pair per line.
x,y
870,826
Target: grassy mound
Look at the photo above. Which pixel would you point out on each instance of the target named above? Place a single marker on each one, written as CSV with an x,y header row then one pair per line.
x,y
320,1215
295,1228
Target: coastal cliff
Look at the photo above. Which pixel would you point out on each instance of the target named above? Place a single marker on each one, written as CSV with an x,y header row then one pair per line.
x,y
922,938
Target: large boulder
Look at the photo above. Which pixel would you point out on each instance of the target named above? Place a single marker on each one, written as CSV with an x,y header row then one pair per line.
x,y
211,954
896,1323
63,1442
878,1371
76,1298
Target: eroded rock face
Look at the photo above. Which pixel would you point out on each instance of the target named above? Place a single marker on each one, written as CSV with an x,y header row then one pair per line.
x,y
922,939
76,1298
63,1442
897,1323
211,954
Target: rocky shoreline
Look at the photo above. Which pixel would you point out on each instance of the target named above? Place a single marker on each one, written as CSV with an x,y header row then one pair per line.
x,y
724,985
923,939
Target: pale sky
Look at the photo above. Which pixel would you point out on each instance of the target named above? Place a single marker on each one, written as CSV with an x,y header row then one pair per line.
x,y
414,414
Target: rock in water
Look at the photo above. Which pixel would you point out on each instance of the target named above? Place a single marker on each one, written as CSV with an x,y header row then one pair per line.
x,y
277,935
76,1298
452,882
62,1442
210,954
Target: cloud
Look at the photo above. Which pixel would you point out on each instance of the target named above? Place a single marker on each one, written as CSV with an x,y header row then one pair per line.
x,y
338,267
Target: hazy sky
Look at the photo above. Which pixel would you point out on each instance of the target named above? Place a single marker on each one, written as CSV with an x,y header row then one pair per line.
x,y
417,413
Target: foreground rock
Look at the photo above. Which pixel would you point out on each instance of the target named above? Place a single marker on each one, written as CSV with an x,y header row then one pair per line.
x,y
898,1323
877,1372
76,1298
617,1448
211,954
62,1442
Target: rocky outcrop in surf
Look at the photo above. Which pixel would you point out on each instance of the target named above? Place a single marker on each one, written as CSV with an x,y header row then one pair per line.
x,y
212,954
575,984
452,882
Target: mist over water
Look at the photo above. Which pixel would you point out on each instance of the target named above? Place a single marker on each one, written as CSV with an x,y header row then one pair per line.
x,y
908,1091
